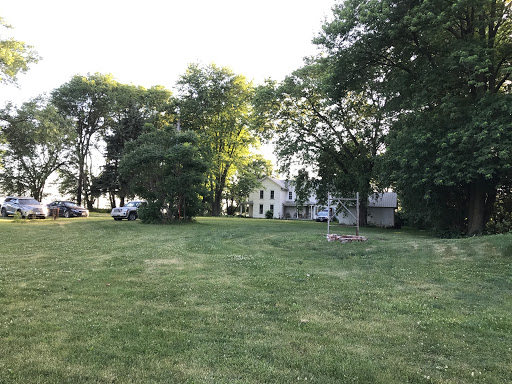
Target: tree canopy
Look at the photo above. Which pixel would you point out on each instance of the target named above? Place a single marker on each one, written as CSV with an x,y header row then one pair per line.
x,y
216,103
132,108
165,167
444,69
87,101
336,139
15,56
37,142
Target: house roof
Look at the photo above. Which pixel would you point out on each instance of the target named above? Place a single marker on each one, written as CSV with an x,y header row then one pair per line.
x,y
383,200
281,183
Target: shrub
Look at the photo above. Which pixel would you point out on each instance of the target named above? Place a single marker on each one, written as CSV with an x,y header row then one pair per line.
x,y
150,212
269,214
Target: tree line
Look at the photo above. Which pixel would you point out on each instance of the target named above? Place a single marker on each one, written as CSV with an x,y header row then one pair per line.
x,y
413,96
186,154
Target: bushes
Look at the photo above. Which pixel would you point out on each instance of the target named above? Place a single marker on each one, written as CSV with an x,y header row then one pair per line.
x,y
166,169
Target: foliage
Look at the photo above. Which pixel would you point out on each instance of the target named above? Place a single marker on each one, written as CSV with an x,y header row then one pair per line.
x,y
338,139
269,214
501,218
215,102
151,213
37,141
18,218
444,68
246,179
132,108
165,168
87,101
15,56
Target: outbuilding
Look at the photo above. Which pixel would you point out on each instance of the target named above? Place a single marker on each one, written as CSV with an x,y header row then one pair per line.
x,y
380,212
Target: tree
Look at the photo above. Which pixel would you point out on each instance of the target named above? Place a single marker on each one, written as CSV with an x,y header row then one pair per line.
x,y
165,168
336,139
37,141
15,56
132,108
87,101
215,103
245,180
444,68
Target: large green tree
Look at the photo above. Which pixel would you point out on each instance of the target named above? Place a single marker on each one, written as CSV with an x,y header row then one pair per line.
x,y
132,108
15,56
216,103
337,139
445,69
36,140
87,101
166,168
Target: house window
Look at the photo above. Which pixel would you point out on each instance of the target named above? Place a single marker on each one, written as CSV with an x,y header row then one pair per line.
x,y
290,195
272,207
272,195
261,209
261,194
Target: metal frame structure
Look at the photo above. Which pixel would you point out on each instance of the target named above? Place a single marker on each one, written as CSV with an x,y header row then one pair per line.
x,y
339,201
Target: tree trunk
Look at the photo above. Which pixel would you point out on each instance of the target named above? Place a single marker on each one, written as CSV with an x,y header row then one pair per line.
x,y
217,203
79,188
480,205
219,189
363,213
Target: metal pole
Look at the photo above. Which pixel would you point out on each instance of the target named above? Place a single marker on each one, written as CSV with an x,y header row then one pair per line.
x,y
357,214
328,212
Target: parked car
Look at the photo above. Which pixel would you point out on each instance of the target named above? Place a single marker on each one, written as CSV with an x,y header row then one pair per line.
x,y
323,215
68,209
27,207
129,211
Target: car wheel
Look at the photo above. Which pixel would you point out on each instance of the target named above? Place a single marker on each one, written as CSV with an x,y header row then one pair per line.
x,y
66,214
132,216
4,212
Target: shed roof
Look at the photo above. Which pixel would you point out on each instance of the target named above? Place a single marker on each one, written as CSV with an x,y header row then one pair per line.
x,y
383,200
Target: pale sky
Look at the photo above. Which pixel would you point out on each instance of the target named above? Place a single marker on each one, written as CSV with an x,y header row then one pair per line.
x,y
151,42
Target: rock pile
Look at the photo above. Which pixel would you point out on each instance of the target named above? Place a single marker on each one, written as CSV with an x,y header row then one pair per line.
x,y
345,238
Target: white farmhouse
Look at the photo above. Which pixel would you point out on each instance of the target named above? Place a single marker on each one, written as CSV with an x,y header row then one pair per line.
x,y
279,197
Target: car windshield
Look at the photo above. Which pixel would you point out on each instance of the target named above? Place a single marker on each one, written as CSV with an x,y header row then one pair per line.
x,y
70,204
29,202
132,204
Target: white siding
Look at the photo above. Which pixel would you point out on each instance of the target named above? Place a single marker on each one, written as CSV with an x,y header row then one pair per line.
x,y
381,217
267,186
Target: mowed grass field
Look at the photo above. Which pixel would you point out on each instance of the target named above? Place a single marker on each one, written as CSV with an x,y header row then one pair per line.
x,y
227,300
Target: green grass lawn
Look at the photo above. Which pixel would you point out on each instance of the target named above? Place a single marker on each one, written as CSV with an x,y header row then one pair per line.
x,y
250,301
